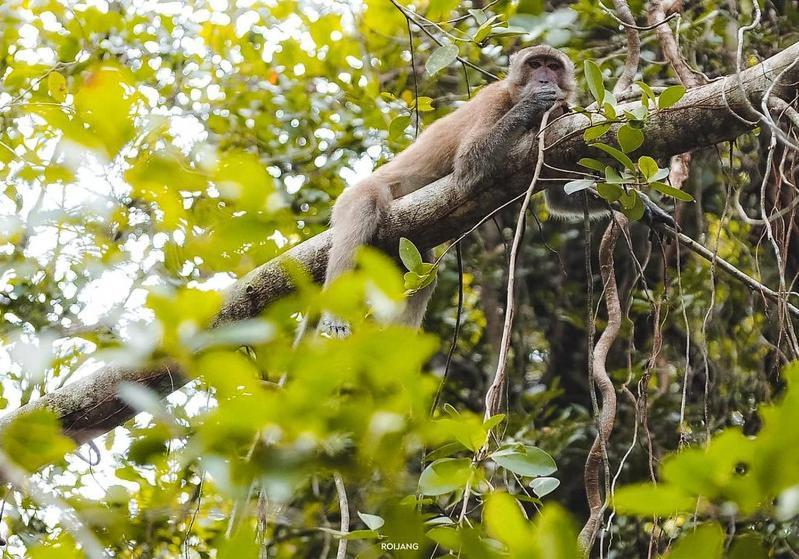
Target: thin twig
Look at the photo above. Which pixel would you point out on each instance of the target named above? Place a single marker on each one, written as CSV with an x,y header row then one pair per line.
x,y
415,79
668,43
344,510
680,163
627,25
456,333
493,395
744,278
411,16
633,47
687,375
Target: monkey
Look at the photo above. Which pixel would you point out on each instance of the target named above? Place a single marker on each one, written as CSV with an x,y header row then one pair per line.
x,y
472,143
469,143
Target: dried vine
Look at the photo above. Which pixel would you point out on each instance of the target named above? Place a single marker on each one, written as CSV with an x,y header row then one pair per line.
x,y
597,456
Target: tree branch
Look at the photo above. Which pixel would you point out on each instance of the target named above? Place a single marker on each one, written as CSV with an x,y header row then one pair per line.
x,y
430,216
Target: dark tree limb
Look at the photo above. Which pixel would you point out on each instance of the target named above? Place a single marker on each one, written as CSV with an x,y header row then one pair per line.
x,y
437,213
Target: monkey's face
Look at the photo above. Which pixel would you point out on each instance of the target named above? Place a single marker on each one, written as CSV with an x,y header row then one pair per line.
x,y
541,69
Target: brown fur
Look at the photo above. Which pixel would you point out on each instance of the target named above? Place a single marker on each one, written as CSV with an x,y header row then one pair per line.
x,y
471,142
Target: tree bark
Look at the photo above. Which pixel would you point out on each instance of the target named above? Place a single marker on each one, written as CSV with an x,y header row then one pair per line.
x,y
432,215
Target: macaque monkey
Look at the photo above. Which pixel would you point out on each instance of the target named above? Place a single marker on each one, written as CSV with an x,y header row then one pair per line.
x,y
471,142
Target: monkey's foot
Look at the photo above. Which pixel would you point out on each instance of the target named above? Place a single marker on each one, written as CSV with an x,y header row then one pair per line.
x,y
654,215
333,327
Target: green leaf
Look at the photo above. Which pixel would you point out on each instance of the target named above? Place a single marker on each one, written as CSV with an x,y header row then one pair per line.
x,y
398,126
577,185
647,166
636,115
35,439
425,274
439,521
609,111
615,154
479,16
441,58
525,460
482,32
440,9
373,521
630,139
468,430
670,96
592,164
544,485
423,104
660,175
412,281
445,476
410,255
628,198
241,544
493,421
504,521
645,499
609,192
448,538
648,94
57,86
748,546
427,268
706,541
104,101
596,131
511,31
668,190
593,76
632,205
612,176
554,534
445,451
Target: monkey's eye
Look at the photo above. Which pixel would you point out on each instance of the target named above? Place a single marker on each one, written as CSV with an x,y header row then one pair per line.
x,y
554,66
535,64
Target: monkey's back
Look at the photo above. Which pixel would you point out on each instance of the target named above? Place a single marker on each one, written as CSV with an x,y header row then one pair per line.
x,y
433,153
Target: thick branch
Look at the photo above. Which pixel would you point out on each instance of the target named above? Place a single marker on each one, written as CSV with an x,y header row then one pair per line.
x,y
437,213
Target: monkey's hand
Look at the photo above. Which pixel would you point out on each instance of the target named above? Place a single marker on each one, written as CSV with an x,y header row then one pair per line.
x,y
333,327
536,103
542,98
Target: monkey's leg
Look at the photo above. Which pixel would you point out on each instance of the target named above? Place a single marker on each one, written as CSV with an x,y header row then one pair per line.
x,y
356,216
417,303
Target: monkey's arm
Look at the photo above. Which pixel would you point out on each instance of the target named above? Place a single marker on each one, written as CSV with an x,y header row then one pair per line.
x,y
484,152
